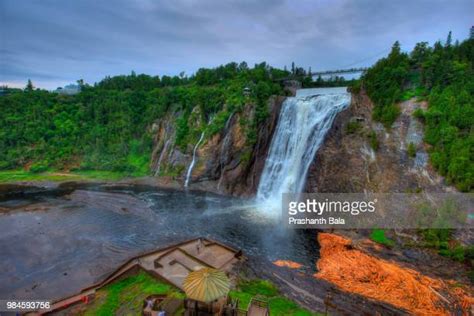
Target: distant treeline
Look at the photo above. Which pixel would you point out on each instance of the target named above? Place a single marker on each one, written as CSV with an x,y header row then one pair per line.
x,y
332,81
107,126
444,76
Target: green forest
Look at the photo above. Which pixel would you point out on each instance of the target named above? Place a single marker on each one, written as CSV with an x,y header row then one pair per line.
x,y
443,75
107,126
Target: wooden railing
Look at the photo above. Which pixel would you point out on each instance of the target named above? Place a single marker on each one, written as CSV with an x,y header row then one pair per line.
x,y
256,301
260,302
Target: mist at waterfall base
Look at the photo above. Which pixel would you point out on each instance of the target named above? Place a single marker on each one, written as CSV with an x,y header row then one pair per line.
x,y
303,123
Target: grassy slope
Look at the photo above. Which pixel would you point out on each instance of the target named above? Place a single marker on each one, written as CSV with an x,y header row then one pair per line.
x,y
11,176
126,297
279,305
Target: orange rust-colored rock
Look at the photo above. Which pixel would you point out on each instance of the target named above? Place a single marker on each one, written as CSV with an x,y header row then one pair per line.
x,y
357,272
287,263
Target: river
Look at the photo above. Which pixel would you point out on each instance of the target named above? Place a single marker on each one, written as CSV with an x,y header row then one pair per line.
x,y
56,242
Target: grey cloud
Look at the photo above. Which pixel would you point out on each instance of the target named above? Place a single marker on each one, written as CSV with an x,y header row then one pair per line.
x,y
66,40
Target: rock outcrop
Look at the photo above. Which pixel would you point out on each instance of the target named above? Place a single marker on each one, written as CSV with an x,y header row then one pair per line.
x,y
226,163
360,155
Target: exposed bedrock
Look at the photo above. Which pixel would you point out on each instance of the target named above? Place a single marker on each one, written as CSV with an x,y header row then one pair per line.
x,y
359,154
226,162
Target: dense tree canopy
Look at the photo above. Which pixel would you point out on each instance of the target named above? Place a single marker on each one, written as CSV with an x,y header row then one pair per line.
x,y
107,126
444,76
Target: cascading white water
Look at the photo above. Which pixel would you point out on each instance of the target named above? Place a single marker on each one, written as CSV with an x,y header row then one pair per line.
x,y
191,166
304,121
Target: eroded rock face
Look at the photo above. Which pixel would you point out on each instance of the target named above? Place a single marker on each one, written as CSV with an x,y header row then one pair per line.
x,y
225,162
165,133
360,155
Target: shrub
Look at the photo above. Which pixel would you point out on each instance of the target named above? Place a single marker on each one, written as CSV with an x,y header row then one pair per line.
x,y
419,114
355,86
173,171
38,167
5,165
470,275
374,142
245,157
434,238
378,235
353,127
387,115
411,150
457,253
408,94
441,240
218,123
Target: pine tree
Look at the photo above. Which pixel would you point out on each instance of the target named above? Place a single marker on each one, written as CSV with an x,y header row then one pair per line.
x,y
449,40
395,49
29,86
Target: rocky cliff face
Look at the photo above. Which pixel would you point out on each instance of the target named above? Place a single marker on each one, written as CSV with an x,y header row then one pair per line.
x,y
360,155
225,162
357,155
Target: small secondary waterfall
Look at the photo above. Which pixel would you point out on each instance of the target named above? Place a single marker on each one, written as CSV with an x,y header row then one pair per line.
x,y
304,121
191,166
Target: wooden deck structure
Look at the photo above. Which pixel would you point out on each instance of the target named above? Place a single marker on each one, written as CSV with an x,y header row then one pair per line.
x,y
258,308
169,265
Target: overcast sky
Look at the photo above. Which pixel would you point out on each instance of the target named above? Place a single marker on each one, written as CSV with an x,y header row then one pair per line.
x,y
56,42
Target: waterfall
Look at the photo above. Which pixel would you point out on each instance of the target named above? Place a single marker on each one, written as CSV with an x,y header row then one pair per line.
x,y
191,166
304,121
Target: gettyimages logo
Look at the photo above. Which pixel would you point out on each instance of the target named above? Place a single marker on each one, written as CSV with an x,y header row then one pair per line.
x,y
367,211
320,207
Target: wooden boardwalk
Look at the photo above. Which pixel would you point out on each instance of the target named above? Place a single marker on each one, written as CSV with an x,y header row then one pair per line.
x,y
258,308
170,265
